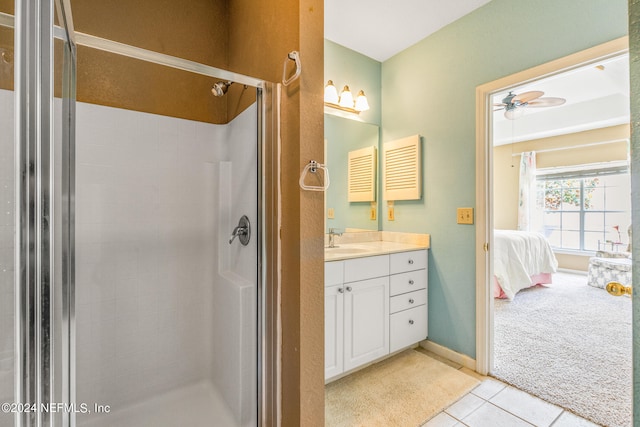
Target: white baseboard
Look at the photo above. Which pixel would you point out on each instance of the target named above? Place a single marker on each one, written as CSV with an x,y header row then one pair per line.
x,y
568,270
447,353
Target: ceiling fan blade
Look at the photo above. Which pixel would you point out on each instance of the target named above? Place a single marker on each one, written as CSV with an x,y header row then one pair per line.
x,y
546,102
527,96
499,104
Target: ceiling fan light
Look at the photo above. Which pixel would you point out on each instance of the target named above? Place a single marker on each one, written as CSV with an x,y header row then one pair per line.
x,y
514,113
330,93
346,98
361,102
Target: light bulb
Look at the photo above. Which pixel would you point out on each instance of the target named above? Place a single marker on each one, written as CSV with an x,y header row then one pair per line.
x,y
361,102
346,99
330,93
514,113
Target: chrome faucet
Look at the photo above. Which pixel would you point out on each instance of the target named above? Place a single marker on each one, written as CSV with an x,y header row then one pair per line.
x,y
333,232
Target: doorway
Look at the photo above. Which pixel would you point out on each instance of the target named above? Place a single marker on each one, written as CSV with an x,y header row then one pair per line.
x,y
488,217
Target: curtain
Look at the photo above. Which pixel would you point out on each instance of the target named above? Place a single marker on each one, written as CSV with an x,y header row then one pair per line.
x,y
527,192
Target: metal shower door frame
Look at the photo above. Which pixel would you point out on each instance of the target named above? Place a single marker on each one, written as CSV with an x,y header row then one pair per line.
x,y
43,336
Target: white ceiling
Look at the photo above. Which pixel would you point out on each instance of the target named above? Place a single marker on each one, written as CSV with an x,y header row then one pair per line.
x,y
595,97
381,28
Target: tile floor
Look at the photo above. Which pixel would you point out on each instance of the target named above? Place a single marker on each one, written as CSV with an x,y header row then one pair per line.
x,y
495,404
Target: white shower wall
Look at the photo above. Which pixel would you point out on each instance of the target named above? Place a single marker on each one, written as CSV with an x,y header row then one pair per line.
x,y
235,315
150,300
7,234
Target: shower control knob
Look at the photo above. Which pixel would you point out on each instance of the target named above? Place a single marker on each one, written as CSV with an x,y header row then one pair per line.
x,y
242,231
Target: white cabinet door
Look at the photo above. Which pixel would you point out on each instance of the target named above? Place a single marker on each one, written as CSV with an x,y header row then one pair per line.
x,y
366,321
333,330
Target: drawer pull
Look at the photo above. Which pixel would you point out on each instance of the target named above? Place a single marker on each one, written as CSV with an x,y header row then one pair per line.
x,y
341,290
410,321
411,301
410,261
411,281
349,288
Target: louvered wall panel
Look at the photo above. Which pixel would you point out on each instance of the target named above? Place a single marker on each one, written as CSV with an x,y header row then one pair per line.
x,y
362,175
401,169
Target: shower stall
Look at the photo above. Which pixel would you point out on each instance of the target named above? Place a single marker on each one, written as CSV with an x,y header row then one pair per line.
x,y
133,281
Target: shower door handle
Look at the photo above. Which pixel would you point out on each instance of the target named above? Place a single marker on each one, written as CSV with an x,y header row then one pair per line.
x,y
242,231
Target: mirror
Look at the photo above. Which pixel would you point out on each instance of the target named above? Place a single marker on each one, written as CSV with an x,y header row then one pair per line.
x,y
342,136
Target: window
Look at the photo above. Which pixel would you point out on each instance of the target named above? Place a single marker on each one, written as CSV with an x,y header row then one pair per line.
x,y
585,210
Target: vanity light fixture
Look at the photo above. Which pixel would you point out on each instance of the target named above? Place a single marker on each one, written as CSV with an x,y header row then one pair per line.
x,y
345,101
331,93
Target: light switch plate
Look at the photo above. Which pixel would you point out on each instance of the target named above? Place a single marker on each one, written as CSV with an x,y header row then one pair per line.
x,y
391,215
465,216
330,213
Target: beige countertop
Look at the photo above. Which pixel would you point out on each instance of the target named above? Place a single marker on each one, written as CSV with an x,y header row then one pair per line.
x,y
344,251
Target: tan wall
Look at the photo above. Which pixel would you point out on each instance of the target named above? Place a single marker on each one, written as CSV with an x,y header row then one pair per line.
x,y
197,33
573,262
506,170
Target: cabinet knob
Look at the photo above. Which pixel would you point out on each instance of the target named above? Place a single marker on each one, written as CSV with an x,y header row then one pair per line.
x,y
410,321
411,281
411,301
349,288
340,290
410,261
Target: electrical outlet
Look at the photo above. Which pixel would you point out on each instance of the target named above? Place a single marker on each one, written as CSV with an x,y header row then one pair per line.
x,y
391,215
465,216
330,213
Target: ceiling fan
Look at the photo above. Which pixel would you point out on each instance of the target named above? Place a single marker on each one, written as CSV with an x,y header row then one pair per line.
x,y
514,105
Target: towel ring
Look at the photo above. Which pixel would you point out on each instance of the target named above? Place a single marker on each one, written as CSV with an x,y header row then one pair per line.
x,y
313,167
294,56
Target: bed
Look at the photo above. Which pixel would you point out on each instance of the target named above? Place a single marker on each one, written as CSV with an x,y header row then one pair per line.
x,y
521,259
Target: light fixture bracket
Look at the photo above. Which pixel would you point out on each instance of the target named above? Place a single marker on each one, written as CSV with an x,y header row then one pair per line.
x,y
340,107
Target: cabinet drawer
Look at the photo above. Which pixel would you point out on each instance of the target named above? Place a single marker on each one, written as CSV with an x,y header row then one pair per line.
x,y
408,282
366,268
333,273
408,261
407,301
407,328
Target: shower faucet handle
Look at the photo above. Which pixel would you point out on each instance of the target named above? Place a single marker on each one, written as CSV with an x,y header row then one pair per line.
x,y
242,231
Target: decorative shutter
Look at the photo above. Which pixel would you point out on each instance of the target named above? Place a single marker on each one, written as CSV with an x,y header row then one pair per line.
x,y
401,169
362,175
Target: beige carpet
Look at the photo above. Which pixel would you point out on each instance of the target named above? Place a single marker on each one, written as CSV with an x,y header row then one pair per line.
x,y
403,391
569,344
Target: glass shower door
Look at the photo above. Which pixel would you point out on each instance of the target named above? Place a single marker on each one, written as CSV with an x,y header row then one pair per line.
x,y
7,216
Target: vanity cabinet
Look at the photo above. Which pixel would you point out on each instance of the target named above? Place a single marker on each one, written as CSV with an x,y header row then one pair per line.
x,y
374,306
356,313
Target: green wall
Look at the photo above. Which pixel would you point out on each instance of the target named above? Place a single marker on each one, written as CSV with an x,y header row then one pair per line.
x,y
345,132
430,89
348,67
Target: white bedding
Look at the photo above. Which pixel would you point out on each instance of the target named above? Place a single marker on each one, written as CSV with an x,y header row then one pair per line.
x,y
517,256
